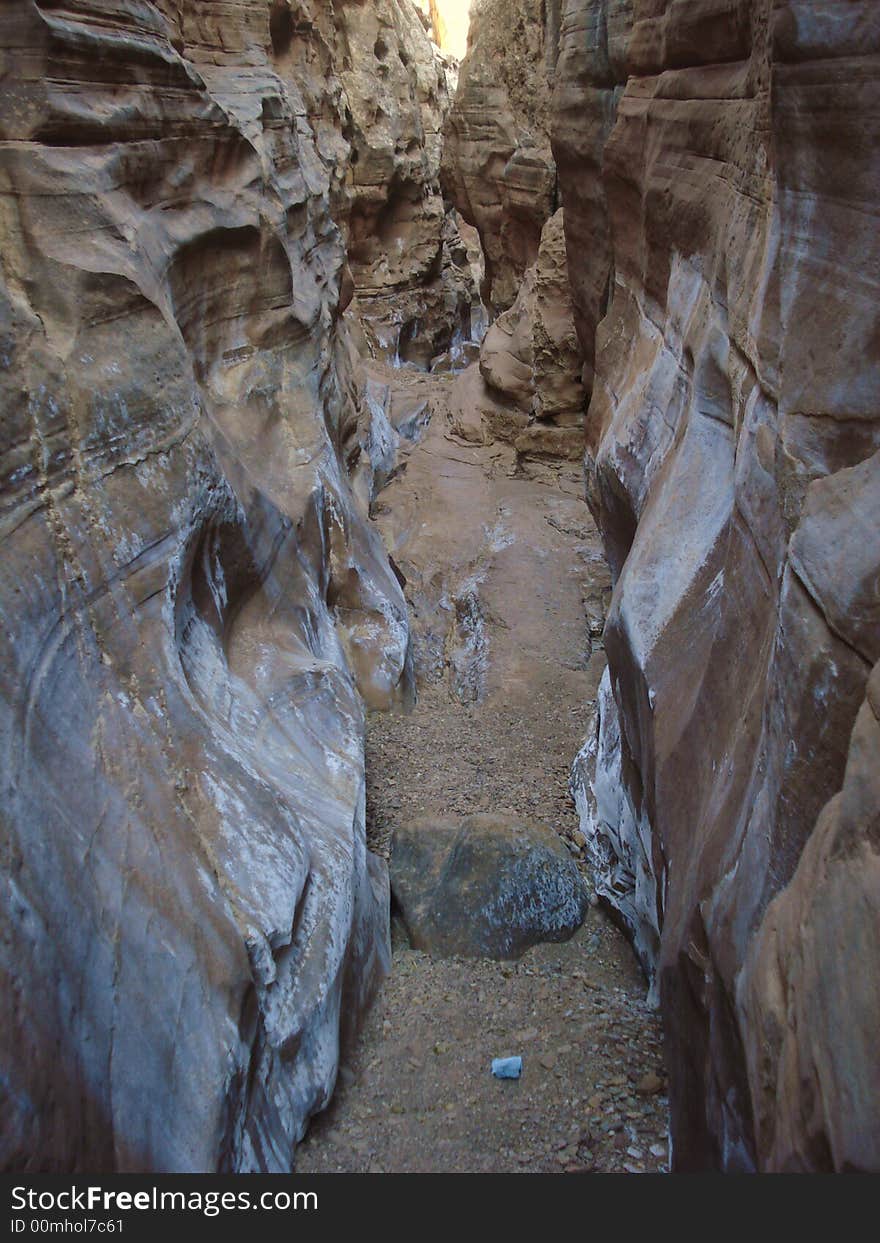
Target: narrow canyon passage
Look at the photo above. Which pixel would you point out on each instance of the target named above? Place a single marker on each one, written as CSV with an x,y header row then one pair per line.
x,y
340,376
505,579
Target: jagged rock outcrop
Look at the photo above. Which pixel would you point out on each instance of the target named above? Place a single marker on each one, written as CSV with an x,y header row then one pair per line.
x,y
415,296
497,165
192,598
735,475
531,360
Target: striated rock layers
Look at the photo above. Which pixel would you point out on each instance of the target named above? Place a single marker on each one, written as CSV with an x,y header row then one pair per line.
x,y
191,597
415,292
497,165
499,171
734,468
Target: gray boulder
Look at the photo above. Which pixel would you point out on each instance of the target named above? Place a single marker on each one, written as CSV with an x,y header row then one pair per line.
x,y
485,886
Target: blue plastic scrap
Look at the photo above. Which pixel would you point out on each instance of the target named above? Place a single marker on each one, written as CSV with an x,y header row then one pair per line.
x,y
507,1067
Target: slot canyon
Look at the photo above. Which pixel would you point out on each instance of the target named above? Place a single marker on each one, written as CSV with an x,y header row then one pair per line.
x,y
440,585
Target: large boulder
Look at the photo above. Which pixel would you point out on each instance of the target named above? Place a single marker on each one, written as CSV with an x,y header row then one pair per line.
x,y
485,886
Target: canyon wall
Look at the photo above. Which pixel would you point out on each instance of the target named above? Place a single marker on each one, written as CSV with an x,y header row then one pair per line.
x,y
499,172
719,187
414,297
194,604
530,360
730,792
207,215
591,72
497,166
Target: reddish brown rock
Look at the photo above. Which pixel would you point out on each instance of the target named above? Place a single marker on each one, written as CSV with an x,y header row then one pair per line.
x,y
414,295
530,358
733,468
497,165
591,72
813,1069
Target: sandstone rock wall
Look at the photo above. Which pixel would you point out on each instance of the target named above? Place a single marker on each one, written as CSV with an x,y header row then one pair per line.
x,y
414,299
192,599
591,72
447,23
499,171
497,165
733,465
530,359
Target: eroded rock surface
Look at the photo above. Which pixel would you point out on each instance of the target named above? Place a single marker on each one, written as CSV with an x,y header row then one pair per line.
x,y
196,606
497,164
531,360
733,469
192,597
591,72
415,290
812,1062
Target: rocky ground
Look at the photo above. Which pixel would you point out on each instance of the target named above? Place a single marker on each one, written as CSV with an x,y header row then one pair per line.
x,y
495,726
419,1095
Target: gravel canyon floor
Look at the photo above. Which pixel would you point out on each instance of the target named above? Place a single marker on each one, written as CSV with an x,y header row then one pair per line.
x,y
505,580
